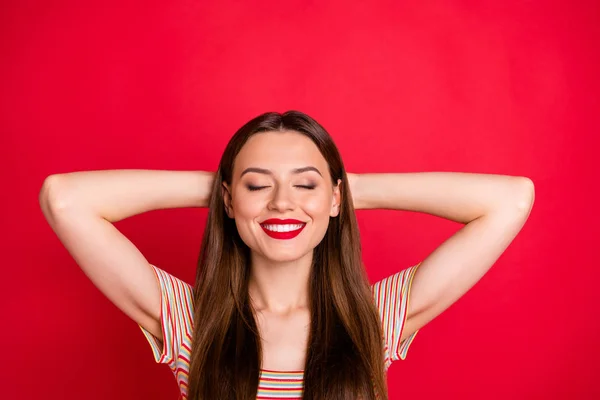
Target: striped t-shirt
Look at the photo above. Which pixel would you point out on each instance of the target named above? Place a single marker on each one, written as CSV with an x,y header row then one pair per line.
x,y
391,297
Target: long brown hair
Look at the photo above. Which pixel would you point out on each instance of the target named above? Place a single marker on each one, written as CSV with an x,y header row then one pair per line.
x,y
344,356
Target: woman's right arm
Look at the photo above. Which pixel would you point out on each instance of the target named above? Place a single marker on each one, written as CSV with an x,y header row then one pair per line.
x,y
81,208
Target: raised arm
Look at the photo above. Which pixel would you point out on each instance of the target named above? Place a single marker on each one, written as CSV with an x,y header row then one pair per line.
x,y
81,207
492,207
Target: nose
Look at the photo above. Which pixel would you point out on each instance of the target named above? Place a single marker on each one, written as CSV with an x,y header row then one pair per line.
x,y
281,199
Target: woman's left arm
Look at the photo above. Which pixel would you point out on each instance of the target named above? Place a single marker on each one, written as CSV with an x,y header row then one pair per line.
x,y
493,208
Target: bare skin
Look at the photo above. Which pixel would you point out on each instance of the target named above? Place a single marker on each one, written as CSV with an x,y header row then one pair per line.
x,y
80,207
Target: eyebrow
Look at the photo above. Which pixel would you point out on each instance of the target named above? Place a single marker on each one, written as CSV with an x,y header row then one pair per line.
x,y
269,172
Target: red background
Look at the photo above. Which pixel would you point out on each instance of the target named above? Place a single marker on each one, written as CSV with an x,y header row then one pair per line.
x,y
490,87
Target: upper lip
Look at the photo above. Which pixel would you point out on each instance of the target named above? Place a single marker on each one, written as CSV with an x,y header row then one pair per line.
x,y
276,221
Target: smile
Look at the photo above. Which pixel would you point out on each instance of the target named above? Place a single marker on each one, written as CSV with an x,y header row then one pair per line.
x,y
282,229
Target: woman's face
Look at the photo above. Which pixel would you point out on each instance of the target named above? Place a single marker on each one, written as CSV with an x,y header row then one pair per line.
x,y
281,195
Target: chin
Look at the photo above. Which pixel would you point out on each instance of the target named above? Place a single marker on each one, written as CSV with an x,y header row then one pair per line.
x,y
283,256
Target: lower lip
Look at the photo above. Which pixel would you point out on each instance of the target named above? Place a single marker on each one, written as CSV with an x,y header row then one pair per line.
x,y
283,235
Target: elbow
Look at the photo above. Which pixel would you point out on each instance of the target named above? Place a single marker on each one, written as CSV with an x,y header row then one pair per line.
x,y
52,197
524,194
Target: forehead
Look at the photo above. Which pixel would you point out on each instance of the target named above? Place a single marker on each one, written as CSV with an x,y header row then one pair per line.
x,y
280,152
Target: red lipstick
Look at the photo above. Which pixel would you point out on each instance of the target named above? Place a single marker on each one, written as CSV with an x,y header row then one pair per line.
x,y
282,228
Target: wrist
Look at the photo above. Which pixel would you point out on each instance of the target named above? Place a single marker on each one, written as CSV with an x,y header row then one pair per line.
x,y
203,188
354,189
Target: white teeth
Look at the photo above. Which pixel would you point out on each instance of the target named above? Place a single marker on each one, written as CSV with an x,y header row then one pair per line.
x,y
283,228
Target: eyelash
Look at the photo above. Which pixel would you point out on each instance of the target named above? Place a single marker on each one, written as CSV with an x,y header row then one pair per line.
x,y
255,188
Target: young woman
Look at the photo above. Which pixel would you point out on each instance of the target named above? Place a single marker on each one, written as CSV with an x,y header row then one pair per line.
x,y
281,306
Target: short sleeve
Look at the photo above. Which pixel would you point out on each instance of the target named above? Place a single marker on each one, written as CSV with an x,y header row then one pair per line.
x,y
176,317
391,297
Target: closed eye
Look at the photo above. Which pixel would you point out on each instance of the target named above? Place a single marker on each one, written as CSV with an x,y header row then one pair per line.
x,y
254,188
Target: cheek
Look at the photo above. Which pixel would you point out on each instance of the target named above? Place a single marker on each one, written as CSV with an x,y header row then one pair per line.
x,y
319,210
247,208
247,205
317,207
245,213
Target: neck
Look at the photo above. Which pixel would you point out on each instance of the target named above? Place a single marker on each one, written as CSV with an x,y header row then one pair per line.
x,y
279,287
